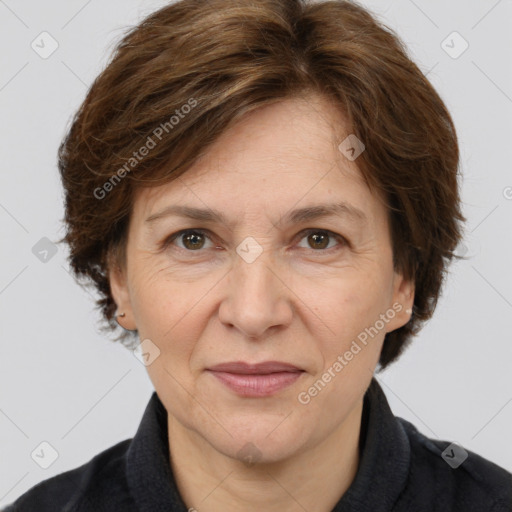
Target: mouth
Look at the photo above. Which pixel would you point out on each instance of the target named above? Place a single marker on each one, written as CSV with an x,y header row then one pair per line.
x,y
256,380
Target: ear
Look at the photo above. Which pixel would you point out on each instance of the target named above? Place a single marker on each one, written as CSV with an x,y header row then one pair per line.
x,y
402,302
120,291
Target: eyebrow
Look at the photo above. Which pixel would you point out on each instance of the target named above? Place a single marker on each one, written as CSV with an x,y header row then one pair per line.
x,y
307,213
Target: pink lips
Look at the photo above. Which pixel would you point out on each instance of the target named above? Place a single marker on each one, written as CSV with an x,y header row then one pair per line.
x,y
256,380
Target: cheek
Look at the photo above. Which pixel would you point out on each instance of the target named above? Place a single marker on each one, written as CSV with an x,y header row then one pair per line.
x,y
154,303
172,326
345,306
171,314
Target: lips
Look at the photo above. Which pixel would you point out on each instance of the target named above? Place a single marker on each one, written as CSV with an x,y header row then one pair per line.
x,y
243,368
256,380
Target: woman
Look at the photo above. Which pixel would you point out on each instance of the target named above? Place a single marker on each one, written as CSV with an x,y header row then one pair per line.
x,y
265,195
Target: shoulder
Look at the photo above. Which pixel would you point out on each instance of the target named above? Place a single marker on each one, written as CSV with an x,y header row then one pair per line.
x,y
455,478
99,485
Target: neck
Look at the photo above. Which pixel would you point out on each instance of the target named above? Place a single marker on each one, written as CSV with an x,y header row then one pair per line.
x,y
312,479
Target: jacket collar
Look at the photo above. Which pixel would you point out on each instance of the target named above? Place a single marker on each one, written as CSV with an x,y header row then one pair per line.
x,y
148,468
380,478
385,458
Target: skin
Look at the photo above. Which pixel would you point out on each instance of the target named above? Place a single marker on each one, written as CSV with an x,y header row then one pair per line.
x,y
300,301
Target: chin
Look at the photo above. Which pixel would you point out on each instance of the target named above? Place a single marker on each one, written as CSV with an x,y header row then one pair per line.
x,y
263,442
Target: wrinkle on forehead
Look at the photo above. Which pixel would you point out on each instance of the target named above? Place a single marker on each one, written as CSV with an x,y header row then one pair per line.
x,y
282,127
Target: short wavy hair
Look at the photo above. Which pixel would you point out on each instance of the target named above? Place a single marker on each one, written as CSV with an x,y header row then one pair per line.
x,y
188,71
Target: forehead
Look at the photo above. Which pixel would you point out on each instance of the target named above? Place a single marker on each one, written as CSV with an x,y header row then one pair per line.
x,y
275,157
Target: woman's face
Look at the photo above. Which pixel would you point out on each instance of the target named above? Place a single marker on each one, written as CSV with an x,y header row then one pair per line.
x,y
263,284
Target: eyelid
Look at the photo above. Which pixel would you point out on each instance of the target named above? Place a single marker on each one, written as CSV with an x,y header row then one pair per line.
x,y
300,235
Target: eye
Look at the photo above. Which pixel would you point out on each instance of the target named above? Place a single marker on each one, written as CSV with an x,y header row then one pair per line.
x,y
318,239
193,240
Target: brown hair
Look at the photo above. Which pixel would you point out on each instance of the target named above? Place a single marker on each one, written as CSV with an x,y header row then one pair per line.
x,y
188,71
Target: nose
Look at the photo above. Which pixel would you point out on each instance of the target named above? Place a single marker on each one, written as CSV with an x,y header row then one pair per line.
x,y
256,299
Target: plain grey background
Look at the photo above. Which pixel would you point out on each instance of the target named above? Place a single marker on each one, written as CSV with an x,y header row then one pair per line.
x,y
63,383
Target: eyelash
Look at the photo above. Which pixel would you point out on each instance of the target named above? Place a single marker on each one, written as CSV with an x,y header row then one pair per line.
x,y
343,241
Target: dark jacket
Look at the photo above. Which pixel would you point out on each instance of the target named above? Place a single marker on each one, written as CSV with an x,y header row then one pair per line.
x,y
400,470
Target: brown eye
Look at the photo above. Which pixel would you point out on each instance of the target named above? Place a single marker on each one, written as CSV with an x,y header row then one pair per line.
x,y
319,240
191,240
